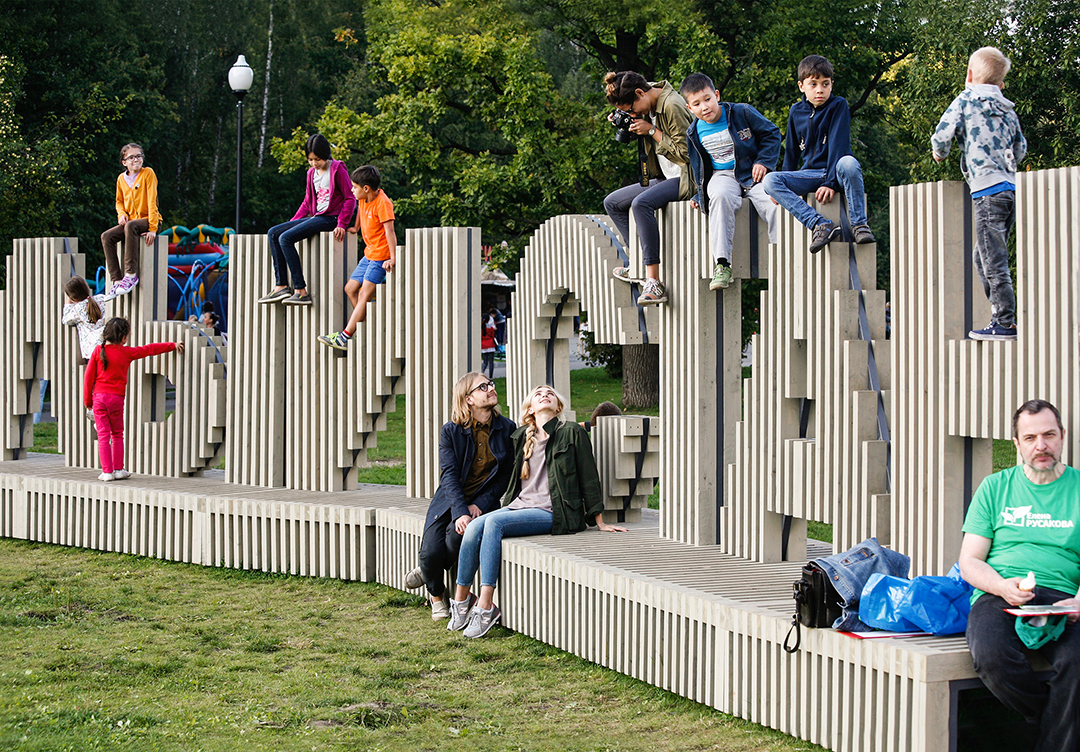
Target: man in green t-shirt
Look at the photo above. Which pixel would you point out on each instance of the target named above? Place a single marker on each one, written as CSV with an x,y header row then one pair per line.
x,y
1027,519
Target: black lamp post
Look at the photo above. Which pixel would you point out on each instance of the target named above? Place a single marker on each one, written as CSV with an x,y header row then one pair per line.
x,y
240,78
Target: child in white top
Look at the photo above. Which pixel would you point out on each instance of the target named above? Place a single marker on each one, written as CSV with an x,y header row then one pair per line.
x,y
84,311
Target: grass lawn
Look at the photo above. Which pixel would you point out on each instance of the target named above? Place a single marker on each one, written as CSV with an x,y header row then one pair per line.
x,y
112,652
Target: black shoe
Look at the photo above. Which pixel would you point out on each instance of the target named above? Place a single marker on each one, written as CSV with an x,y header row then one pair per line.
x,y
824,233
862,234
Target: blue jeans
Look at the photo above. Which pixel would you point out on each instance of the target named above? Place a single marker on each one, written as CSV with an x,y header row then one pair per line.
x,y
283,239
788,188
994,216
1002,664
643,202
481,546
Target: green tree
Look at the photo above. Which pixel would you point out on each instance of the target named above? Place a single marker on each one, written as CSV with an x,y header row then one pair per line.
x,y
472,129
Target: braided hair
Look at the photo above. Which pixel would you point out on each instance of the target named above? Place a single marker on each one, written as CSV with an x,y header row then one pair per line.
x,y
528,419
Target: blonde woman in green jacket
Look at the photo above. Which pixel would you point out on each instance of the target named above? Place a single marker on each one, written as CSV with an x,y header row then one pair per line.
x,y
554,488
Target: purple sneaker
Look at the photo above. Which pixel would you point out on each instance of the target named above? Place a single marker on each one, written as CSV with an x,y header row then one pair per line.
x,y
127,284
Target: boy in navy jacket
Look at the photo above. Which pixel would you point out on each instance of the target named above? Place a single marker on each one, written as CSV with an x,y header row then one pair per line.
x,y
732,147
819,137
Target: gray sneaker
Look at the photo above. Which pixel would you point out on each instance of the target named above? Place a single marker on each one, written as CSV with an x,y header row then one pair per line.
x,y
653,293
862,234
414,580
824,233
622,273
721,277
459,613
481,621
439,609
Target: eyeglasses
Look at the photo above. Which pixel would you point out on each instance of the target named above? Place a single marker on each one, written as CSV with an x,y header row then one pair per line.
x,y
486,387
133,157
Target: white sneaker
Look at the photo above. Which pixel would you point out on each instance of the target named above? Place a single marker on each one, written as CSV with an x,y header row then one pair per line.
x,y
121,474
126,285
439,609
414,580
480,621
459,613
106,477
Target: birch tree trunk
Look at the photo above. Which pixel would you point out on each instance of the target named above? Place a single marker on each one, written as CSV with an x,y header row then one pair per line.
x,y
266,84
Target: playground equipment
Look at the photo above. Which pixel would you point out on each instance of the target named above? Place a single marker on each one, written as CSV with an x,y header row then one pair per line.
x,y
198,272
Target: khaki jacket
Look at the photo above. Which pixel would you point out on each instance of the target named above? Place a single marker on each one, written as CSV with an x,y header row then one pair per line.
x,y
573,480
671,118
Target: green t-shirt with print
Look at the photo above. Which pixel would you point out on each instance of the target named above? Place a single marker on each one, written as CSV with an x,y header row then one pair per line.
x,y
1034,528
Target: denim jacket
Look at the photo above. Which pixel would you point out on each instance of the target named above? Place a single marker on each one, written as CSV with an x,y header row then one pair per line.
x,y
849,571
756,140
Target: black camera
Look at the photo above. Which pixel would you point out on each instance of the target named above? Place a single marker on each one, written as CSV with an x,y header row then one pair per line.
x,y
622,121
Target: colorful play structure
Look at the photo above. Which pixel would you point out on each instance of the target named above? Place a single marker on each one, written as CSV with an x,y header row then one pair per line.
x,y
198,272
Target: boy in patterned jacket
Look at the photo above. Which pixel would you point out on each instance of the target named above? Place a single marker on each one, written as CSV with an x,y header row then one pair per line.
x,y
985,124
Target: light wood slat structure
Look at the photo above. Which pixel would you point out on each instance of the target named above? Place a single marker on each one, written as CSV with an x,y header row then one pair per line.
x,y
567,266
306,414
203,521
181,444
957,395
627,451
810,445
442,321
700,337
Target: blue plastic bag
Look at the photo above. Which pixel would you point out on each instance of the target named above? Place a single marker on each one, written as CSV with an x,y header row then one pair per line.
x,y
938,605
879,604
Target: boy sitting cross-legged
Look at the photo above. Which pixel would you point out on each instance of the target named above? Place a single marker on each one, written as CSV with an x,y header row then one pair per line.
x,y
732,147
817,157
375,221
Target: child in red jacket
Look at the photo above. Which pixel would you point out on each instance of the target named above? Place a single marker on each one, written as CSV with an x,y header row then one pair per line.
x,y
105,384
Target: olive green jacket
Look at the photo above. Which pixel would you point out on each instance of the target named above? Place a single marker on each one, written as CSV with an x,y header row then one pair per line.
x,y
573,481
672,118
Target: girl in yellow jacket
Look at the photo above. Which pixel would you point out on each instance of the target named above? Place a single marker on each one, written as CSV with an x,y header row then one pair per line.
x,y
137,217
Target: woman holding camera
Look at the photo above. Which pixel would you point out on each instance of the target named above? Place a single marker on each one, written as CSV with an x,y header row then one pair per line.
x,y
659,119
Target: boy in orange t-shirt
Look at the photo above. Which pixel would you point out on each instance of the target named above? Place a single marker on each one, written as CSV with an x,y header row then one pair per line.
x,y
375,221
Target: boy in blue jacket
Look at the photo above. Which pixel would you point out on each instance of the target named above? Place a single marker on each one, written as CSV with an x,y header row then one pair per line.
x,y
732,147
992,144
819,136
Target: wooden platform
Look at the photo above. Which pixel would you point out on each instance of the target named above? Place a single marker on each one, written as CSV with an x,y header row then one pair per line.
x,y
703,624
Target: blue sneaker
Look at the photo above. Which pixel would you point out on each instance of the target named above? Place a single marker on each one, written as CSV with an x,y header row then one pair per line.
x,y
993,332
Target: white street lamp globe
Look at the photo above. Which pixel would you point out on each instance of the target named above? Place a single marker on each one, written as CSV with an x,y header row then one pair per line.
x,y
241,75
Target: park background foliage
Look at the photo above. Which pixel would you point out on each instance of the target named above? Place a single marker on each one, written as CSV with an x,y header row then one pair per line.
x,y
480,113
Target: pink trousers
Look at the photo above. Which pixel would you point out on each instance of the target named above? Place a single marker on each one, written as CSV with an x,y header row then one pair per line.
x,y
109,420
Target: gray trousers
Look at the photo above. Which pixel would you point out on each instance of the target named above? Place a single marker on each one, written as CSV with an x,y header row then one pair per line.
x,y
994,217
643,202
725,198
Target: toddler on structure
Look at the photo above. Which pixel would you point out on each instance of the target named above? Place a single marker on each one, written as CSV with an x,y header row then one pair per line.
x,y
817,158
732,148
991,144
